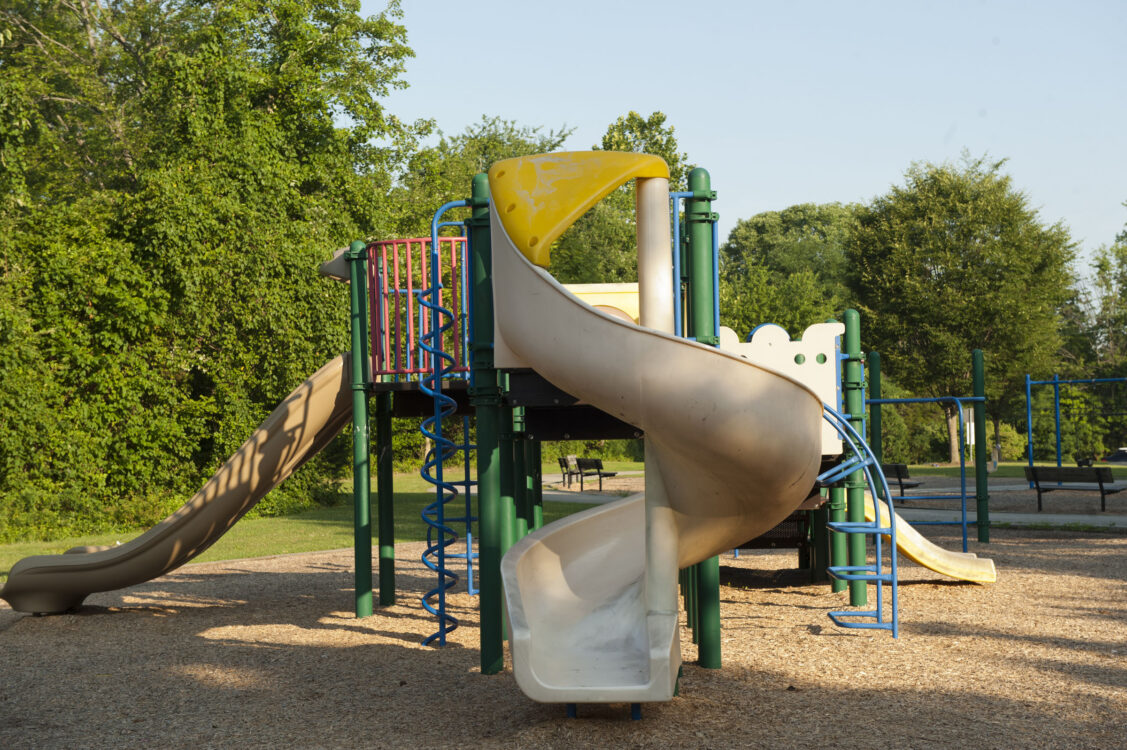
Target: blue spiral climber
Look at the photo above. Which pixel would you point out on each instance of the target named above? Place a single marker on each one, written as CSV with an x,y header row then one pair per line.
x,y
438,321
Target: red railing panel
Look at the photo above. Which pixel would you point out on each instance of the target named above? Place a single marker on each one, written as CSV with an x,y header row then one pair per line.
x,y
398,272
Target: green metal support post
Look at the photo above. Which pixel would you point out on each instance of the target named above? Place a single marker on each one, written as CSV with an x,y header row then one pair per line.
x,y
829,546
356,256
874,411
839,542
486,398
521,503
508,481
819,544
385,498
982,490
536,460
853,387
699,219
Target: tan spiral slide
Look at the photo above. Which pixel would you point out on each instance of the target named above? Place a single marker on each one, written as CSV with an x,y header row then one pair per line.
x,y
731,447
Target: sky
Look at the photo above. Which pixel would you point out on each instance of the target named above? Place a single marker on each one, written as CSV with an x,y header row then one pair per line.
x,y
798,102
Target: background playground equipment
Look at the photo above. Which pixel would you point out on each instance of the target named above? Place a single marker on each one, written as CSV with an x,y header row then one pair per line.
x,y
1056,384
426,342
978,399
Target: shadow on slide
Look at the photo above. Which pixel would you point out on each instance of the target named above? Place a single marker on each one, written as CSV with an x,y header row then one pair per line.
x,y
296,430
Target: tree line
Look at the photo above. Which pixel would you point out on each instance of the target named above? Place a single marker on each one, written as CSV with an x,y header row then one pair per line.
x,y
172,172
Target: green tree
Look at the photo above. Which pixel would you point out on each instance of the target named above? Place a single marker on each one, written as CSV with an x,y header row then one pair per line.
x,y
600,247
955,260
1109,322
786,267
436,175
171,174
441,173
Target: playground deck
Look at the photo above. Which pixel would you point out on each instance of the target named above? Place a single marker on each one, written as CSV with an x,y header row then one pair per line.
x,y
266,653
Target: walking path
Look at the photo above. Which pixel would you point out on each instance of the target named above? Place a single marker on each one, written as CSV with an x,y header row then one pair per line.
x,y
1005,487
1038,520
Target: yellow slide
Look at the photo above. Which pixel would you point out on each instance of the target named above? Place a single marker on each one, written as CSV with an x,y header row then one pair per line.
x,y
296,430
965,566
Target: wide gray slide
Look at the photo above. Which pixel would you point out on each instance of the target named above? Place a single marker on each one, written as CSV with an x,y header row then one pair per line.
x,y
296,430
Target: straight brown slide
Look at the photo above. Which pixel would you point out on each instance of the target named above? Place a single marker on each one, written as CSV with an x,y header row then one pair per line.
x,y
296,430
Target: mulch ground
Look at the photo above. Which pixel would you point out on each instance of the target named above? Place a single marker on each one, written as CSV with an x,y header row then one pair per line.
x,y
266,653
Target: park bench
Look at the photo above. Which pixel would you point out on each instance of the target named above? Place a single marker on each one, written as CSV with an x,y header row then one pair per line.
x,y
592,467
1078,479
568,469
899,472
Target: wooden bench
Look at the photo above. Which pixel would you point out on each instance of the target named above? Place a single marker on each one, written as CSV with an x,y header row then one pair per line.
x,y
899,472
1078,479
592,467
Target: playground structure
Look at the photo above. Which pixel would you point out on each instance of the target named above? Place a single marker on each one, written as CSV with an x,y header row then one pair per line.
x,y
733,445
978,399
1056,384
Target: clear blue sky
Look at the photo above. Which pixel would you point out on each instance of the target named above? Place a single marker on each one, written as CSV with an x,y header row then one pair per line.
x,y
792,102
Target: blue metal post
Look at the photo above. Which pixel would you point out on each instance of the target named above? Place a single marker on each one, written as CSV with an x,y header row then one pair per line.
x,y
1029,421
1056,411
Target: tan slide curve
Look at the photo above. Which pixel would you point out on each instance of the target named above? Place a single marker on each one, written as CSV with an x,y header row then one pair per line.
x,y
296,430
732,449
966,566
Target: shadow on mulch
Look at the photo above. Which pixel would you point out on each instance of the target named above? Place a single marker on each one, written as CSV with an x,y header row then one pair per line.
x,y
750,578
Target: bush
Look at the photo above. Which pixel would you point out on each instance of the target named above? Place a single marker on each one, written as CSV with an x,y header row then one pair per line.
x,y
1012,443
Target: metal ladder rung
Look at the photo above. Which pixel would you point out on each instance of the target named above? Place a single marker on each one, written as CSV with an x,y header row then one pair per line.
x,y
837,616
869,575
873,573
859,527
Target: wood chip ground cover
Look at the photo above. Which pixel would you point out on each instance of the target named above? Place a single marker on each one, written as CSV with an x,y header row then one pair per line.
x,y
266,653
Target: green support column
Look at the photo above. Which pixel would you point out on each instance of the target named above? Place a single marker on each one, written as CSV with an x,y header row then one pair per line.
x,y
839,542
486,398
819,544
699,219
521,503
874,411
385,498
508,482
854,392
357,256
709,607
536,461
689,591
982,490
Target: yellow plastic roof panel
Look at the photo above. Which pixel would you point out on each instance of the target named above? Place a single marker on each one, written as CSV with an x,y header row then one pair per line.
x,y
539,197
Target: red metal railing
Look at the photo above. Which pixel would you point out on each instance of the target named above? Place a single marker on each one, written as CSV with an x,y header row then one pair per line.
x,y
398,272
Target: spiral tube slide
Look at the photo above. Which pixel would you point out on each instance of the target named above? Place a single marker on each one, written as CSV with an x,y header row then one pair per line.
x,y
732,448
296,430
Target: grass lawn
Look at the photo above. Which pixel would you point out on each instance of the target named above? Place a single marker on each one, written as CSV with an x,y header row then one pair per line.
x,y
313,530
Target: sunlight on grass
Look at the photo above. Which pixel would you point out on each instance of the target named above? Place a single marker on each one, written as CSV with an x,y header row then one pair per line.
x,y
313,530
1006,470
